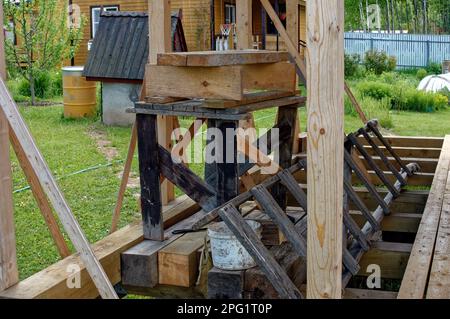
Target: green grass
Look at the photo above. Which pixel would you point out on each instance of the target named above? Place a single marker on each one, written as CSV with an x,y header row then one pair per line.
x,y
68,148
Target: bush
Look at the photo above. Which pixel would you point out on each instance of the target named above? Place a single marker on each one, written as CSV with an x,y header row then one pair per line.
x,y
421,73
379,62
47,85
434,68
351,64
376,90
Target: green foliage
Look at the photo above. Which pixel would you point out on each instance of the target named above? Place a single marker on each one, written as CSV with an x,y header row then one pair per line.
x,y
421,73
376,90
434,68
351,64
379,62
43,40
47,85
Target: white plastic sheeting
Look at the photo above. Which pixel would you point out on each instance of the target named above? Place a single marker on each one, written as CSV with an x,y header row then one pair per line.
x,y
435,83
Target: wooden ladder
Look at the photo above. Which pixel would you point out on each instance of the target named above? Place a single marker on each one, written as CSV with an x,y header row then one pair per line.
x,y
295,233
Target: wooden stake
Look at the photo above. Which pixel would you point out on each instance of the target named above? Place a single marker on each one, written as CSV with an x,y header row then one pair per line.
x,y
54,194
39,195
9,274
325,71
244,25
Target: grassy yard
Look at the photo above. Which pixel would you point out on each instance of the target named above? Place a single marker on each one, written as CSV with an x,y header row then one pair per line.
x,y
69,147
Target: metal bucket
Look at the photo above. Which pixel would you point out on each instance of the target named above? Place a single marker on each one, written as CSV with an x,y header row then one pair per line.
x,y
227,251
80,96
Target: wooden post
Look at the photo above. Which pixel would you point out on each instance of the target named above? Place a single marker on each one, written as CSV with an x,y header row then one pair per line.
x,y
160,42
325,78
244,25
292,29
8,262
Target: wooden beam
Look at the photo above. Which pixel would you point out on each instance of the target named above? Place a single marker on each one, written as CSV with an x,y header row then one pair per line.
x,y
54,194
221,58
160,35
51,282
40,197
9,274
325,72
225,82
419,264
355,293
244,24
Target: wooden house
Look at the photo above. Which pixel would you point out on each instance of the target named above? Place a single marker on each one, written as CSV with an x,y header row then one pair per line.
x,y
201,21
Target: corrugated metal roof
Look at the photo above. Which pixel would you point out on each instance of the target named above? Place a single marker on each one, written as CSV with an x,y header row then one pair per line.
x,y
120,48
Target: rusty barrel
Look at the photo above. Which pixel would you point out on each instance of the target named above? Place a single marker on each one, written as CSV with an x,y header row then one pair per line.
x,y
80,95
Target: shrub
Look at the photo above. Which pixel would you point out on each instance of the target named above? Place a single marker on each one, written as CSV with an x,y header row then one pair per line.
x,y
421,73
434,68
47,85
351,64
379,62
376,90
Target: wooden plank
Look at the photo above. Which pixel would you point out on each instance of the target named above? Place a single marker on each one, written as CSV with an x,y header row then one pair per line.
x,y
178,261
409,141
40,197
244,24
226,82
262,256
225,284
9,274
222,58
51,282
391,257
439,282
407,152
395,222
427,165
417,272
355,104
159,28
355,293
54,194
248,98
325,74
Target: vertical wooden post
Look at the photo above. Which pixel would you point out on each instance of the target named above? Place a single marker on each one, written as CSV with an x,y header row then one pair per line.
x,y
8,261
325,79
161,42
244,25
292,29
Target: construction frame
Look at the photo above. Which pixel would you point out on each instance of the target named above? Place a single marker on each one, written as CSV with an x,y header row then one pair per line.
x,y
350,227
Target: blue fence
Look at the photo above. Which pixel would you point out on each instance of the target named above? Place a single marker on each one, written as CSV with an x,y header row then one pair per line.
x,y
411,50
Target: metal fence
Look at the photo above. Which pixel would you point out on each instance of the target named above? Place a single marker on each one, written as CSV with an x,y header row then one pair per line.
x,y
411,50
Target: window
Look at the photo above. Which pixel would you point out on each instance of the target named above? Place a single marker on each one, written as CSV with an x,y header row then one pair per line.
x,y
95,17
230,13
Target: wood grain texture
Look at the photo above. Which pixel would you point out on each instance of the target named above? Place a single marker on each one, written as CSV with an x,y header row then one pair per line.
x,y
8,260
416,275
244,24
325,74
9,274
54,194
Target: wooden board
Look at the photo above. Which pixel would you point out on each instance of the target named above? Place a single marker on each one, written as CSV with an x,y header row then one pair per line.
x,y
8,261
439,282
178,261
244,24
226,82
355,293
417,272
221,58
409,141
51,282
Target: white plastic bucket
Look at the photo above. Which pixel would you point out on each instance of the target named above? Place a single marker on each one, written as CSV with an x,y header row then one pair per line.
x,y
227,251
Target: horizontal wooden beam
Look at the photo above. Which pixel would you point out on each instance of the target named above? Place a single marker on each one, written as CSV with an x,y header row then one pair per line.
x,y
221,58
395,222
51,282
225,82
355,293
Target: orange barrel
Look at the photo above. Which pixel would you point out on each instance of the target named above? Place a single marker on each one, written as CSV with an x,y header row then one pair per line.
x,y
80,96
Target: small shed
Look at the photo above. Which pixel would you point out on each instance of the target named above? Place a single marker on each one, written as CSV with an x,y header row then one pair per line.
x,y
118,57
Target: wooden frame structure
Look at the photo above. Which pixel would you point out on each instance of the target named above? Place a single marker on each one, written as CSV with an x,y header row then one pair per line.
x,y
164,229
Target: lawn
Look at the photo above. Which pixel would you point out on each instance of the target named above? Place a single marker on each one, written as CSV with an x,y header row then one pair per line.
x,y
68,147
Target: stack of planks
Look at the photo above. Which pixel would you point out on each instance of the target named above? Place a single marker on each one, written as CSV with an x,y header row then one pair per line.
x,y
428,271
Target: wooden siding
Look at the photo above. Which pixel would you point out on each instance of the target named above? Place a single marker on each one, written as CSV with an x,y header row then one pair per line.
x,y
195,19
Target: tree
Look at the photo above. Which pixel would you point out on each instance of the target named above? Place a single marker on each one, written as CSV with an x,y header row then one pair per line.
x,y
43,37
